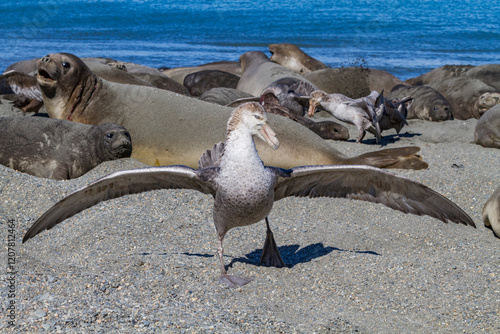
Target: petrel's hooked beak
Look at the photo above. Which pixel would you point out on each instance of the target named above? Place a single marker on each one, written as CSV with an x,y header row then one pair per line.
x,y
269,136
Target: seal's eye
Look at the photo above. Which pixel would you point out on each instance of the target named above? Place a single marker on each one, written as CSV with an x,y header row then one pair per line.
x,y
109,135
65,64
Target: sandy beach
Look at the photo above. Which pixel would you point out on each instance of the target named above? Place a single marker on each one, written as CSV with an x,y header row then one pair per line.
x,y
146,263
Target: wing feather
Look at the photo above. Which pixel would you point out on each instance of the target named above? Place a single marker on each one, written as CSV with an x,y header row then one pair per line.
x,y
368,184
124,183
23,84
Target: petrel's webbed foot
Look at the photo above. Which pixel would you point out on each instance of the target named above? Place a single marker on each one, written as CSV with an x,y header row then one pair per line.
x,y
271,256
233,281
230,280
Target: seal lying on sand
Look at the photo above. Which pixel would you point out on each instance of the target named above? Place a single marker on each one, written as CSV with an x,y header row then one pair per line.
x,y
354,82
59,149
491,212
292,57
200,82
468,97
259,73
170,129
439,74
244,190
179,73
487,131
428,104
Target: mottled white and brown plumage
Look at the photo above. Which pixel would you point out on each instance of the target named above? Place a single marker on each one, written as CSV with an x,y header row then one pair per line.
x,y
244,189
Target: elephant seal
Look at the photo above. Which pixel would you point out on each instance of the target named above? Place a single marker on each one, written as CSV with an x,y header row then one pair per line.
x,y
428,104
290,56
487,131
25,66
179,73
119,74
488,73
198,83
59,149
354,82
491,212
439,74
468,97
259,72
114,71
223,96
114,74
161,81
169,128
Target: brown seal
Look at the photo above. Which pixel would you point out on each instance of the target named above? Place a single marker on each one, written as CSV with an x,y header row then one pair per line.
x,y
491,212
59,149
259,72
200,82
468,97
292,57
354,82
428,104
487,131
169,129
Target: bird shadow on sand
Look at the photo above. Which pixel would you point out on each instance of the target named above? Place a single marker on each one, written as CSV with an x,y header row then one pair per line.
x,y
291,254
386,139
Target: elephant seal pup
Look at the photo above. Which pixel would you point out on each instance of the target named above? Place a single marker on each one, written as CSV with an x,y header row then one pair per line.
x,y
468,97
59,149
179,73
259,72
223,95
487,131
491,212
290,56
428,104
170,129
198,83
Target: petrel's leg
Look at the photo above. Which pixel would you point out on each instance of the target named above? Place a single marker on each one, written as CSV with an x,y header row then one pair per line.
x,y
271,256
232,281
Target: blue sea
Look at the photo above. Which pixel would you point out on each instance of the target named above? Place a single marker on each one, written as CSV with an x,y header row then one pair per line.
x,y
404,37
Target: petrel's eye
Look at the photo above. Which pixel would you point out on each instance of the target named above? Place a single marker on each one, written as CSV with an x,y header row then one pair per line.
x,y
257,116
65,64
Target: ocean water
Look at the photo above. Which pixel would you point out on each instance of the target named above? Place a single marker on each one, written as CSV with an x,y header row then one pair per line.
x,y
406,38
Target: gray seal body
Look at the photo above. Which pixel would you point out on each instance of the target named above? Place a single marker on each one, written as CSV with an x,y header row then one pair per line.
x,y
59,149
